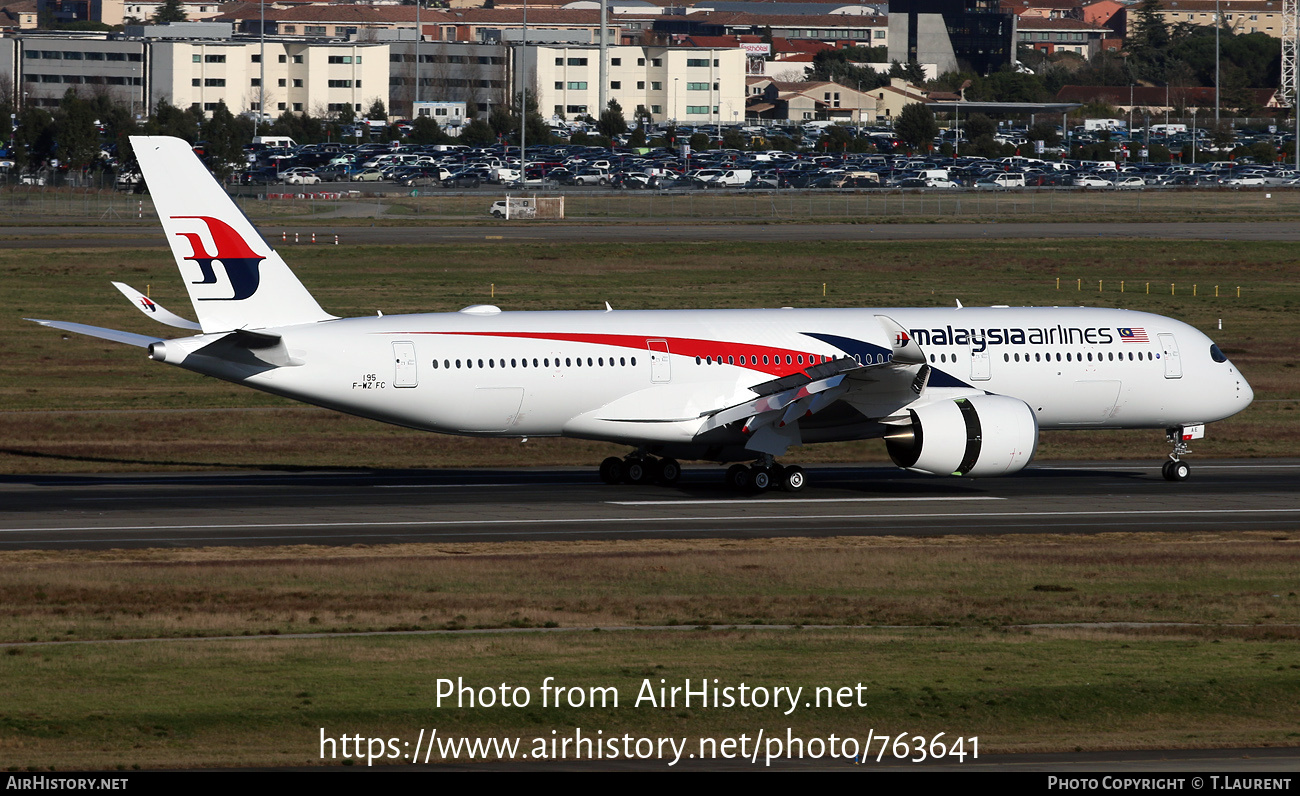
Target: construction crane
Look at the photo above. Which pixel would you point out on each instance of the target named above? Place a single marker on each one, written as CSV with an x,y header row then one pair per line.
x,y
1290,34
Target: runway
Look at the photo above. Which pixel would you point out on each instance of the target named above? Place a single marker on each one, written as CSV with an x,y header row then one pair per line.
x,y
383,507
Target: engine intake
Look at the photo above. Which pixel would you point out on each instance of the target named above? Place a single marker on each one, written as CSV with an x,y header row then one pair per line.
x,y
980,435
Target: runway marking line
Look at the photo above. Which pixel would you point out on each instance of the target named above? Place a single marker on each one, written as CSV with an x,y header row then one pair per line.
x,y
788,501
592,520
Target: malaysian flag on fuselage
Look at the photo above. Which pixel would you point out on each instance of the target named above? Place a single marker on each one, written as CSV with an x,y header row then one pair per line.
x,y
1135,334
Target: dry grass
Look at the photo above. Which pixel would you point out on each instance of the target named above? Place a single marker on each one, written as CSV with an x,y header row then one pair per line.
x,y
1215,579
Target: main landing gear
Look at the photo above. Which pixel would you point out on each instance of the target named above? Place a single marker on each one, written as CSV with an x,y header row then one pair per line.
x,y
765,474
637,469
1176,469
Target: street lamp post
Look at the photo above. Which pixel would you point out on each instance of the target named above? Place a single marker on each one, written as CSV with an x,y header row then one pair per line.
x,y
1193,134
418,36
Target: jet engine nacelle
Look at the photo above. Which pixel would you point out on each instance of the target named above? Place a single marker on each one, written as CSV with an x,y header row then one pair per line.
x,y
980,435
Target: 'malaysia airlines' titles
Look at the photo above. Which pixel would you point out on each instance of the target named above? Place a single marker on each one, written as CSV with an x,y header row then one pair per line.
x,y
980,339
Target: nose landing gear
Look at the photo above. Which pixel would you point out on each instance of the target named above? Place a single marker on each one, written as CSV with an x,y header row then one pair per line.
x,y
1176,469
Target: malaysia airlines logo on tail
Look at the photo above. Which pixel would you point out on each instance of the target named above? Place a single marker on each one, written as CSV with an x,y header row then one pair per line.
x,y
148,304
901,339
1135,334
232,252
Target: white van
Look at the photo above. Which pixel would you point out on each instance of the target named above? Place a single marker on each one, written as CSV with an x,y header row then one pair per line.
x,y
275,141
1006,180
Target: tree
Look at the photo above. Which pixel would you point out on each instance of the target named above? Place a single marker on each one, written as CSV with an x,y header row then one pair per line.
x,y
167,119
611,122
75,133
169,11
477,133
916,126
377,111
979,125
834,65
425,130
34,138
502,121
1149,45
225,137
1046,133
914,73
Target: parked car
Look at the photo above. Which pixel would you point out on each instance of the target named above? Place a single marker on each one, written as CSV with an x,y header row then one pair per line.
x,y
1129,183
368,175
591,177
1089,181
463,179
299,175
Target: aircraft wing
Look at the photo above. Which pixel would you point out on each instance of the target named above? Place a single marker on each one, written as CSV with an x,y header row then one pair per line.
x,y
130,338
884,387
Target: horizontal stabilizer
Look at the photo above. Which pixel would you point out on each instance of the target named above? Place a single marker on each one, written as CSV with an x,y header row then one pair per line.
x,y
141,340
155,310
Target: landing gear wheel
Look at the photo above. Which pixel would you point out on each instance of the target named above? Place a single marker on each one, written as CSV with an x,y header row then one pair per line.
x,y
792,480
1176,471
669,472
640,471
738,477
760,478
611,470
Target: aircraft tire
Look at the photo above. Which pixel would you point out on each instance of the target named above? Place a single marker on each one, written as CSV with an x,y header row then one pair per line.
x,y
738,477
611,470
1178,471
639,471
669,471
760,478
793,480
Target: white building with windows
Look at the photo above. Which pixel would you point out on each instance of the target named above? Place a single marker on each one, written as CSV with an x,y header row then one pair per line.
x,y
317,78
689,85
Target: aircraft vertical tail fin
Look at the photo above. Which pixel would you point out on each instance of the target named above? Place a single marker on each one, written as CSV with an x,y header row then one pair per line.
x,y
235,280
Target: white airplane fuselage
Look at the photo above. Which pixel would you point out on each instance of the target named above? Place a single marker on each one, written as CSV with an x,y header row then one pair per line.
x,y
650,376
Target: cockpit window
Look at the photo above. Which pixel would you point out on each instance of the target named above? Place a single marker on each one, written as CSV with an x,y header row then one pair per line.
x,y
1216,354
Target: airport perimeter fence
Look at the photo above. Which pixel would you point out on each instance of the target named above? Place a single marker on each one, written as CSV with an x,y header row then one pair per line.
x,y
34,204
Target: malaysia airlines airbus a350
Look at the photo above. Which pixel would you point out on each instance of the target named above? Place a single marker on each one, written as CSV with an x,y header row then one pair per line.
x,y
960,391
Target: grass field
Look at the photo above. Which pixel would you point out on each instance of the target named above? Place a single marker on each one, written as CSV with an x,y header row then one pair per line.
x,y
962,659
75,404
